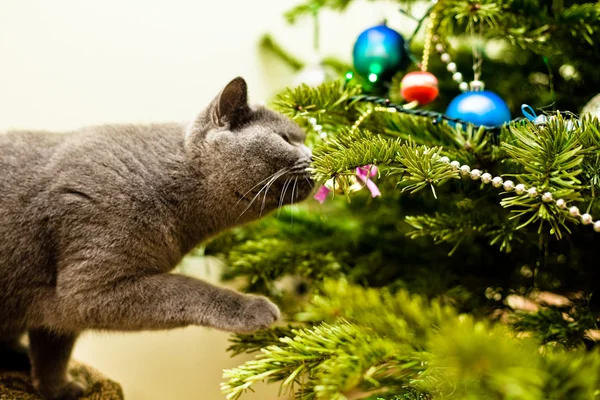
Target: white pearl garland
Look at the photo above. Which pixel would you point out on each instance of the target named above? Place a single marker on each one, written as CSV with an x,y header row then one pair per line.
x,y
532,192
475,174
520,189
316,127
547,198
451,66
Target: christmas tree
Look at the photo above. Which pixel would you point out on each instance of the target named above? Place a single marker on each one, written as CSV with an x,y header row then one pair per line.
x,y
455,252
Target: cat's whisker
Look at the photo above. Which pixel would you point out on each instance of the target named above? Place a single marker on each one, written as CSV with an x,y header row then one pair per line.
x,y
250,204
273,178
252,188
292,199
293,190
309,182
245,194
281,196
268,186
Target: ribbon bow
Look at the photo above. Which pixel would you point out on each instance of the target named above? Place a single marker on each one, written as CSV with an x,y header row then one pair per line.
x,y
364,174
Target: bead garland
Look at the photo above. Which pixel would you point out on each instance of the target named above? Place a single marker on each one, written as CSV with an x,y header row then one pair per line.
x,y
520,189
428,41
317,128
452,68
361,119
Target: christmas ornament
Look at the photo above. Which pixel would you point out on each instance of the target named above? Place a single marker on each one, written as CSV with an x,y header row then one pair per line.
x,y
479,108
592,107
419,86
378,53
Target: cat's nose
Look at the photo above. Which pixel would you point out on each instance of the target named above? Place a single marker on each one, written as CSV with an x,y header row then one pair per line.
x,y
307,151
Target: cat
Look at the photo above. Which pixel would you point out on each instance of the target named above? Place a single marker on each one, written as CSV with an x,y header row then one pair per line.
x,y
93,221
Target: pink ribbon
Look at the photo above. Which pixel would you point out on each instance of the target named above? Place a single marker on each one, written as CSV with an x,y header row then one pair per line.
x,y
364,173
321,195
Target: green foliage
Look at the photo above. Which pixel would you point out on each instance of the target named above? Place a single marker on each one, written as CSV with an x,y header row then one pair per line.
x,y
565,326
548,158
282,246
551,160
404,286
409,347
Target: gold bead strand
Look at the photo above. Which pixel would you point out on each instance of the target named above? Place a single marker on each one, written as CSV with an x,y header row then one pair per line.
x,y
428,40
361,118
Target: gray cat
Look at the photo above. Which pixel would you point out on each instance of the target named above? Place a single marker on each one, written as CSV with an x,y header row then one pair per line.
x,y
92,221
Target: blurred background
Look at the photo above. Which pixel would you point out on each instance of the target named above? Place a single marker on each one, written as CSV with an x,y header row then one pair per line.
x,y
69,63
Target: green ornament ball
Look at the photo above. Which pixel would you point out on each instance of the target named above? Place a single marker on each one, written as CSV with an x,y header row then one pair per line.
x,y
379,52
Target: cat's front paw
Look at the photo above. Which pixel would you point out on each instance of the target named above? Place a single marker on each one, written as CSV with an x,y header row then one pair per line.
x,y
258,313
72,390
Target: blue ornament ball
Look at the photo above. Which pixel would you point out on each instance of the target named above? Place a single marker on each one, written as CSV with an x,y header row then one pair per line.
x,y
379,52
479,108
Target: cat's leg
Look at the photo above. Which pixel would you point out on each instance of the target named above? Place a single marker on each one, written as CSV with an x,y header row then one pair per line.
x,y
49,353
13,355
165,301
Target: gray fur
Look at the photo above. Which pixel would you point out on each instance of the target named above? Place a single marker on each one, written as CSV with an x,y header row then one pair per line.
x,y
92,221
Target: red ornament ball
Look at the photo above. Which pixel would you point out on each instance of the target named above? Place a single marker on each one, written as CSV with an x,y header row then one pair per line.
x,y
421,86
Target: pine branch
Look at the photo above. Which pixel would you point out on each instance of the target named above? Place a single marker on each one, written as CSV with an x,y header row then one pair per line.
x,y
404,317
418,165
323,360
311,6
463,227
411,343
563,326
551,158
312,247
267,43
244,343
328,104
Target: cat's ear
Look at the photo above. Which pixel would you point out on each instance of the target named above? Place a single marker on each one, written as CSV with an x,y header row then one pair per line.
x,y
231,102
229,108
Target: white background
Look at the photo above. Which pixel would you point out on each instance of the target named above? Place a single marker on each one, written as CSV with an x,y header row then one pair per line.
x,y
68,63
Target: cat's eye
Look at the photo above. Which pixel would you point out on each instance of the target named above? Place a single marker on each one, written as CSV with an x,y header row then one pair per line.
x,y
285,137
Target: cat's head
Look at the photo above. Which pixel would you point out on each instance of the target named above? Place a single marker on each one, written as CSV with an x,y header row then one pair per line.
x,y
257,157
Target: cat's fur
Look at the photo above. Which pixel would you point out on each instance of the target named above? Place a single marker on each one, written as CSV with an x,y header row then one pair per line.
x,y
92,221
